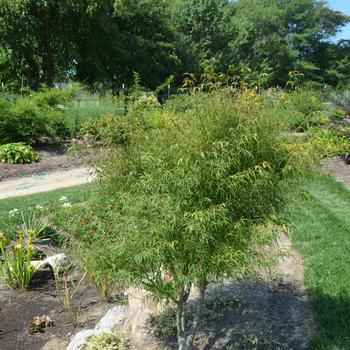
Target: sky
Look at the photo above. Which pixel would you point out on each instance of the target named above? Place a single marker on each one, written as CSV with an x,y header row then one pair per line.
x,y
343,6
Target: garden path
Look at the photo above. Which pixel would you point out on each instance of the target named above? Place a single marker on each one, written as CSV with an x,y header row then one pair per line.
x,y
337,168
44,182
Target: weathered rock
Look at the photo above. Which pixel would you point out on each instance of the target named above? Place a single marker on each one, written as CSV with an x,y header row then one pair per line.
x,y
55,262
141,306
107,324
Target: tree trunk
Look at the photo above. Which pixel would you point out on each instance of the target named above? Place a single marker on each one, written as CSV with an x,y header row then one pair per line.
x,y
48,52
185,342
48,66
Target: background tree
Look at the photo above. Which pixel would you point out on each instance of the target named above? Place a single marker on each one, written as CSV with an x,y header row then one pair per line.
x,y
287,35
100,41
39,37
86,40
204,29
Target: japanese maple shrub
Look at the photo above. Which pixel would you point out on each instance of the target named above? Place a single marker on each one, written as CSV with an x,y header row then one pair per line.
x,y
182,201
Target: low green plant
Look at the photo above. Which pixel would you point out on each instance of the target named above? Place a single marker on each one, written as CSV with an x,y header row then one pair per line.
x,y
327,143
338,114
107,341
15,267
33,221
66,289
17,153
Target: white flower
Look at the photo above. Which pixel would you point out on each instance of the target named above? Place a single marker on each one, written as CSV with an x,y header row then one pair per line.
x,y
13,212
63,199
67,205
39,207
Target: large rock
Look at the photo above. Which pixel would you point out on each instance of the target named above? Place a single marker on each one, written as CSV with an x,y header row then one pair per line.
x,y
57,263
107,324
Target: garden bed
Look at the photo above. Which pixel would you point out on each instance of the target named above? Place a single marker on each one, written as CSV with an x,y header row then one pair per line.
x,y
20,308
51,157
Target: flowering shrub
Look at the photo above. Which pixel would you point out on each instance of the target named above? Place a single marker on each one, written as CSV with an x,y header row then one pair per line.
x,y
107,131
65,202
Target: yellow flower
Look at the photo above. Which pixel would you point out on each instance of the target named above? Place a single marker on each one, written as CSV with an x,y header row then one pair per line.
x,y
30,248
18,246
31,232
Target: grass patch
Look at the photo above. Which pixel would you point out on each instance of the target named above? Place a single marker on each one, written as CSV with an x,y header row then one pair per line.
x,y
47,200
321,232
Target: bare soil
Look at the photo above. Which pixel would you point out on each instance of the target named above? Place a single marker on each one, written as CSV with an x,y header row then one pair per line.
x,y
51,157
18,308
337,168
269,312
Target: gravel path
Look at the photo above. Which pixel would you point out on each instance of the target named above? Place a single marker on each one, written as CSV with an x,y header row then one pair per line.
x,y
44,182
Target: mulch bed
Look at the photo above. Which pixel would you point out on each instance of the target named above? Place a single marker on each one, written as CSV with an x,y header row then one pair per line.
x,y
19,308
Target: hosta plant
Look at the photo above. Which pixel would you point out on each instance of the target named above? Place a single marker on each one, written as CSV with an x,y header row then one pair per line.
x,y
17,153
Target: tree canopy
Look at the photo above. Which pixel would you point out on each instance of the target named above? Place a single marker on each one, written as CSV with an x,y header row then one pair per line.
x,y
97,41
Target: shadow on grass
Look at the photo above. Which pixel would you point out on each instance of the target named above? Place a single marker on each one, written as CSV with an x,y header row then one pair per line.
x,y
332,315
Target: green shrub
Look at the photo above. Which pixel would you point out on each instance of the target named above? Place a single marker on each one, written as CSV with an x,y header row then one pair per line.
x,y
53,97
22,122
38,117
142,102
328,144
305,101
301,110
181,202
17,153
106,131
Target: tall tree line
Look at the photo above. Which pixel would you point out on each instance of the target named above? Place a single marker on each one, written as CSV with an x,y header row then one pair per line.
x,y
95,42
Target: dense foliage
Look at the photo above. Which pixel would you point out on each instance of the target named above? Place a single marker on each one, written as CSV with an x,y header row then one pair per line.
x,y
182,202
52,114
35,117
160,37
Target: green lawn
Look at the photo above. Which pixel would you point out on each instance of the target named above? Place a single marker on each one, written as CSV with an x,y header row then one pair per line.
x,y
48,200
321,232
